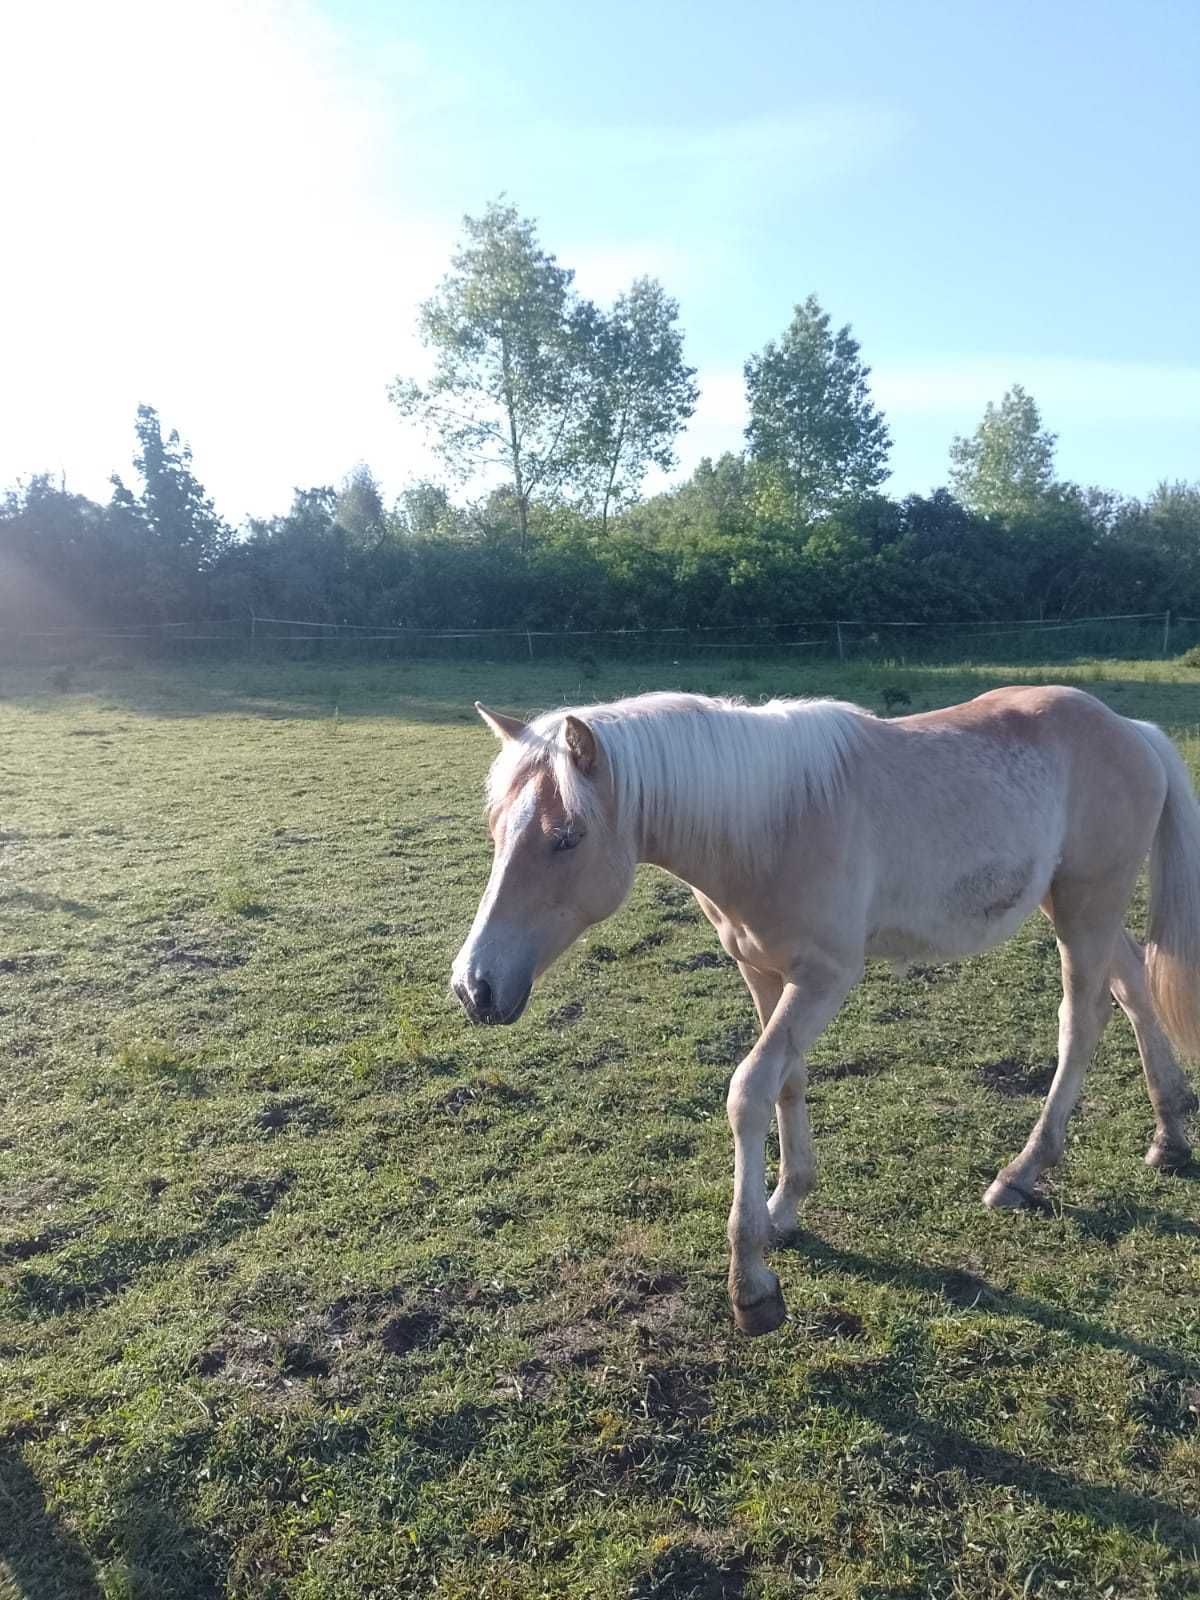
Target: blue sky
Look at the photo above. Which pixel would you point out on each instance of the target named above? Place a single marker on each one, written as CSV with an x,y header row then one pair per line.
x,y
232,210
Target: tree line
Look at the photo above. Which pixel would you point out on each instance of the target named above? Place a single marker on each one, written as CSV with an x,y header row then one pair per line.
x,y
547,413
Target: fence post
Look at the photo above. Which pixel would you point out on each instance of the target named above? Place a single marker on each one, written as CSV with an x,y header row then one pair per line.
x,y
841,648
1166,630
253,635
529,643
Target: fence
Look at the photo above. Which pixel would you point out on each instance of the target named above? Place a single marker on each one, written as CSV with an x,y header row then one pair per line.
x,y
1134,635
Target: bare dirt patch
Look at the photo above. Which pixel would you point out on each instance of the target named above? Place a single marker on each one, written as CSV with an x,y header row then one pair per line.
x,y
836,1071
1011,1077
294,1112
838,1322
408,1330
565,1015
702,961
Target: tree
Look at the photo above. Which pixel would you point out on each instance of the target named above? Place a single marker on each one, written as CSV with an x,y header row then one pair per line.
x,y
360,508
1006,467
640,393
424,508
1168,524
177,510
185,534
813,425
505,331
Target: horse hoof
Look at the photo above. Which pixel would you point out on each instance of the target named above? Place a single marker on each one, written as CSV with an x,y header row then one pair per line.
x,y
1169,1157
1005,1196
761,1316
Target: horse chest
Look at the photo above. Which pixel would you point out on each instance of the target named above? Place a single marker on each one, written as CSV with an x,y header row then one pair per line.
x,y
737,940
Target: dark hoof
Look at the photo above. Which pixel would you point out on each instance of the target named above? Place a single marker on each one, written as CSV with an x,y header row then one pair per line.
x,y
761,1316
1005,1196
1169,1157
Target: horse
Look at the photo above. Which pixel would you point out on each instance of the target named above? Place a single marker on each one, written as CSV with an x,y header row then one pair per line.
x,y
816,835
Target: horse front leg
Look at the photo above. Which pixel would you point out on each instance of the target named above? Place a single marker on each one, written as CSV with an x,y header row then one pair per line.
x,y
810,998
797,1170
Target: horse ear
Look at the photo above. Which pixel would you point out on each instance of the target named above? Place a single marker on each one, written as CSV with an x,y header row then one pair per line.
x,y
503,727
581,742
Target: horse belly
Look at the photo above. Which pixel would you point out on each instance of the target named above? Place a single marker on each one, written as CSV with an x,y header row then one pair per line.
x,y
959,914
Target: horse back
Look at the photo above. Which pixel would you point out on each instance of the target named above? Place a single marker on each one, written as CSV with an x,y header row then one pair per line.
x,y
979,807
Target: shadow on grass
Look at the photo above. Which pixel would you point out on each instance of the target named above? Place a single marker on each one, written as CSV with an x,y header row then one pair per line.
x,y
97,1270
1109,1227
32,900
44,1561
294,691
441,691
164,1557
967,1289
931,1448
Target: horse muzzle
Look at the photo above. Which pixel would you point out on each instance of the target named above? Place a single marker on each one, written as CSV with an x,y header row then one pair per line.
x,y
483,1004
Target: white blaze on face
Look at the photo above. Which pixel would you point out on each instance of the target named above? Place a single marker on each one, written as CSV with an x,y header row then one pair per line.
x,y
497,949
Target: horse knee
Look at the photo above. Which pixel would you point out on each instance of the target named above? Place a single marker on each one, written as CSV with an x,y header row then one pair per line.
x,y
752,1092
748,1110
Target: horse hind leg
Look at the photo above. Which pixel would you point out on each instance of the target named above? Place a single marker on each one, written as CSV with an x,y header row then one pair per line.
x,y
1171,1095
1087,926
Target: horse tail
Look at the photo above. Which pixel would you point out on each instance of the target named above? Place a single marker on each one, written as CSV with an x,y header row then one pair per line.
x,y
1173,928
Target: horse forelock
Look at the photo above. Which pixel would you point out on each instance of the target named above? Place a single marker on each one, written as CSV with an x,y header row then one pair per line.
x,y
541,751
720,771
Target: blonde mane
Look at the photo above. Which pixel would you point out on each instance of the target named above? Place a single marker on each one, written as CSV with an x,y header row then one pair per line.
x,y
712,772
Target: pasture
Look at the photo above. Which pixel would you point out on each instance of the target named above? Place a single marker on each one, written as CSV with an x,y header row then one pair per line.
x,y
308,1289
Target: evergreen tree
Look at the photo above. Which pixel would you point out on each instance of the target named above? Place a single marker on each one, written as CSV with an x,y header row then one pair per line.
x,y
813,427
1006,467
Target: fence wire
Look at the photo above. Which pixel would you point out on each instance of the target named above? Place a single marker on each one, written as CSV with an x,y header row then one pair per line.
x,y
1128,634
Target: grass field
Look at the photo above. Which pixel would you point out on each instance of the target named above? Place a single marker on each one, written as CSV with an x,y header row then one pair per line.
x,y
307,1289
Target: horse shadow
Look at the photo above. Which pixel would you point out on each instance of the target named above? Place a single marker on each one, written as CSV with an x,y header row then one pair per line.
x,y
159,1554
35,900
44,1560
930,1447
969,1290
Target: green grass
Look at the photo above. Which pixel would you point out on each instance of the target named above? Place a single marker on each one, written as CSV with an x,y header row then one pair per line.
x,y
307,1289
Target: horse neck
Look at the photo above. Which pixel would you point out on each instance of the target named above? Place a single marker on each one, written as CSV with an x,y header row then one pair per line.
x,y
700,868
710,858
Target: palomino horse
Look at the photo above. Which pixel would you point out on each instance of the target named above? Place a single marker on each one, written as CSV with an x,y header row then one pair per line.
x,y
815,835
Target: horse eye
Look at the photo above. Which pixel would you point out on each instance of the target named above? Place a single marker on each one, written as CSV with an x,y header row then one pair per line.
x,y
566,839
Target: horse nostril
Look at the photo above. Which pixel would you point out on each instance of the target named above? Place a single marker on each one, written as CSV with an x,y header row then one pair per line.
x,y
481,995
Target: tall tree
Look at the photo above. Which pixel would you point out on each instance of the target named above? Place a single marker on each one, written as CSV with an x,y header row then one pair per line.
x,y
1006,467
504,328
813,425
424,508
360,508
186,534
640,392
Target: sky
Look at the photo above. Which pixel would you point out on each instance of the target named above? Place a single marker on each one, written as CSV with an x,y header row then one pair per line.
x,y
231,210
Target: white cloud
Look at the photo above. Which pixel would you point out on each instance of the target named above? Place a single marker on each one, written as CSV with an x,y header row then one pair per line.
x,y
602,272
196,224
721,166
1069,392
